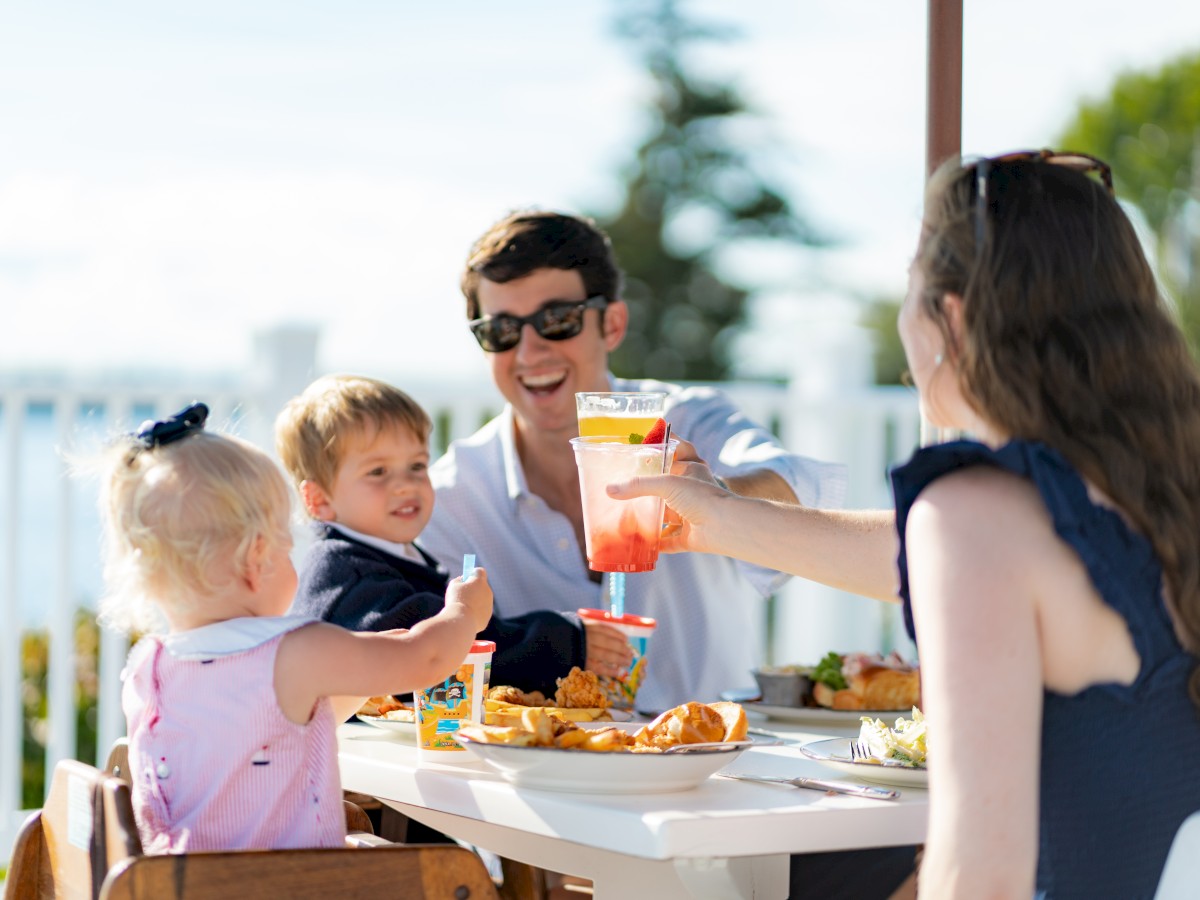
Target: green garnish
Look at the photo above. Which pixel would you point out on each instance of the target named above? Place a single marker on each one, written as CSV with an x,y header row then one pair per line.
x,y
636,438
829,671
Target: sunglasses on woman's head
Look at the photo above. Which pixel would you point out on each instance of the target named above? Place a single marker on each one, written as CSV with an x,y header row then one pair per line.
x,y
1079,162
557,320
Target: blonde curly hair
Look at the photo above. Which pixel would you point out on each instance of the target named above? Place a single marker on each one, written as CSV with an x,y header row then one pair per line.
x,y
176,517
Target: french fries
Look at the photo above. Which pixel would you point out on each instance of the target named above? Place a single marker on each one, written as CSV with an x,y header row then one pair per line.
x,y
540,726
548,731
497,712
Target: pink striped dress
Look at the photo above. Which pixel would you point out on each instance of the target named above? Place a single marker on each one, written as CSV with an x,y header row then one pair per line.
x,y
215,763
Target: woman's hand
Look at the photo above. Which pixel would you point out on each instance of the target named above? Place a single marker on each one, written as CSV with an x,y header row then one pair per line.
x,y
691,502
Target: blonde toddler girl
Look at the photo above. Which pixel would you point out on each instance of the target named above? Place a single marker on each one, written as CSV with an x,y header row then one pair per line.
x,y
231,706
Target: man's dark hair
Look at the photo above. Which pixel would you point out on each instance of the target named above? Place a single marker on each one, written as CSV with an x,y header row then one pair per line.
x,y
523,242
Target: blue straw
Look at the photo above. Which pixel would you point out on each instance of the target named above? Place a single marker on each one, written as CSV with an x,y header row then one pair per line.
x,y
616,593
468,565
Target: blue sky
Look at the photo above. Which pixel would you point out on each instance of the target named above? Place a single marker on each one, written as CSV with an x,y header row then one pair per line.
x,y
222,167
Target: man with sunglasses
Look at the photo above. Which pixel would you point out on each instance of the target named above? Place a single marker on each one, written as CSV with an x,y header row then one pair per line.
x,y
544,303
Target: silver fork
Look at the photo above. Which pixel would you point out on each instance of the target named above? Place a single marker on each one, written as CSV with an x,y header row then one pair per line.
x,y
860,752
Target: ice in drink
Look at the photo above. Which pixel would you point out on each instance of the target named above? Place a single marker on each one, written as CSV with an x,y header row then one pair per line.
x,y
620,535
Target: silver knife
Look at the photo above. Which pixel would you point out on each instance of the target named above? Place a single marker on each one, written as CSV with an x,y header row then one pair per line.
x,y
820,784
782,738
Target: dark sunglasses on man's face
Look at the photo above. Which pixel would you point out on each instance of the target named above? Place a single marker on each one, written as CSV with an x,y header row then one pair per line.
x,y
555,321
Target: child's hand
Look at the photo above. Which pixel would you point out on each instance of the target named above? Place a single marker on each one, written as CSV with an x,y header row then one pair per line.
x,y
608,650
474,595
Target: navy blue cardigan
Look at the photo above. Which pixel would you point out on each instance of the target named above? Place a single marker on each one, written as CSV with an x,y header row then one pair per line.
x,y
359,587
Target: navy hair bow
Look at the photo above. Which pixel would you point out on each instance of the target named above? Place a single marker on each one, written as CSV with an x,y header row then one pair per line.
x,y
186,421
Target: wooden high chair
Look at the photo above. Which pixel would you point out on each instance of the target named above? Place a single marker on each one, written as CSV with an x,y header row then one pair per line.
x,y
84,845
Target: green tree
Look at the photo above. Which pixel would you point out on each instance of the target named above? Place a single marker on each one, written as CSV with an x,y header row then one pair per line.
x,y
879,318
1148,128
691,190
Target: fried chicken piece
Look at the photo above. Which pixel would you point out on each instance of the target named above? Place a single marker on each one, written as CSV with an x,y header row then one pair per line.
x,y
580,689
514,696
505,693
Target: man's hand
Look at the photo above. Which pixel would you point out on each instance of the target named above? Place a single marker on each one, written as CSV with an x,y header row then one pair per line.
x,y
608,650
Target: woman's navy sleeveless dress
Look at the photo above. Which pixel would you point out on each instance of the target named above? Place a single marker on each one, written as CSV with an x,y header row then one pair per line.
x,y
1120,766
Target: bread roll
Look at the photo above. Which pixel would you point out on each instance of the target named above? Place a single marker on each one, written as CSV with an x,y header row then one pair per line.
x,y
694,723
734,719
691,723
874,687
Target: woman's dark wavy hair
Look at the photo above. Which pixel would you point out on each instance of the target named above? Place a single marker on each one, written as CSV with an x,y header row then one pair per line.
x,y
1067,341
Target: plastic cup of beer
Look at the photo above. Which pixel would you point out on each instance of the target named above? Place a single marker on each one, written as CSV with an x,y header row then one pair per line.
x,y
622,689
620,535
618,413
453,702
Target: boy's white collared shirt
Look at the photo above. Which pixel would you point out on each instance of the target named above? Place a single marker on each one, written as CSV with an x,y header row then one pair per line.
x,y
404,551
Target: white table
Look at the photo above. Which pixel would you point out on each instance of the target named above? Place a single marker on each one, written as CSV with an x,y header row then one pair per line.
x,y
726,838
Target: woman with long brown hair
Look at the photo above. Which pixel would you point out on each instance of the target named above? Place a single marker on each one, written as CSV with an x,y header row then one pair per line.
x,y
1049,567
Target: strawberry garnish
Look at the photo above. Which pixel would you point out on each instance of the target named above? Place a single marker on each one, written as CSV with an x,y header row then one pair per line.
x,y
657,433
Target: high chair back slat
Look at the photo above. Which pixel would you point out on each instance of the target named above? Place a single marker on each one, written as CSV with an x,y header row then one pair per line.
x,y
62,851
121,838
411,872
118,759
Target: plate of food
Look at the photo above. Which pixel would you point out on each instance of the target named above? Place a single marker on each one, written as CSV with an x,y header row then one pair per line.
x,y
675,752
838,690
388,714
579,698
885,754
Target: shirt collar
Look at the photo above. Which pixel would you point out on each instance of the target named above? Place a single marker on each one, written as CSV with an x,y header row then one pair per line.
x,y
514,474
404,551
230,636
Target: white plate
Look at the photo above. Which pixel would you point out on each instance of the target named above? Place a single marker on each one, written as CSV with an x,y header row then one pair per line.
x,y
585,772
394,726
835,753
810,715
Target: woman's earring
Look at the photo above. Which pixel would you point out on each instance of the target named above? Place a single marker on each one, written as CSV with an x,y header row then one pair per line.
x,y
937,360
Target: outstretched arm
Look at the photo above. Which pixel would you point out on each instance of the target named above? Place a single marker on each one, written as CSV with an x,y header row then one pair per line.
x,y
852,550
323,660
763,484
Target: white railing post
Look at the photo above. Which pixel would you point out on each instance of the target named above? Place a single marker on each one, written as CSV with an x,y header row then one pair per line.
x,y
60,677
114,645
11,715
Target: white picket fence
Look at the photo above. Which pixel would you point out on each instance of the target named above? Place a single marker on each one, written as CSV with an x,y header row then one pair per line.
x,y
867,427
